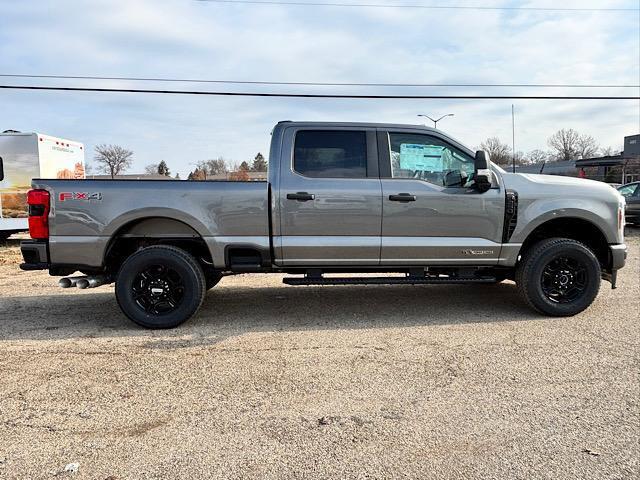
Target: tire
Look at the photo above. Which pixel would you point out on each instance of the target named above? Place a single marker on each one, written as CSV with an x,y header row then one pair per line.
x,y
558,277
213,279
160,287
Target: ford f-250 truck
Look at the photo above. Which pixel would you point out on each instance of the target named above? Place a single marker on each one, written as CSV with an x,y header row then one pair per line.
x,y
340,197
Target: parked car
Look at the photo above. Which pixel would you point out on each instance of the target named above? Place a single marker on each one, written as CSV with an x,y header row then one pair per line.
x,y
340,197
631,193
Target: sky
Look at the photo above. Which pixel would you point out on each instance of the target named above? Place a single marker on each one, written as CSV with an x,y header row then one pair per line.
x,y
223,41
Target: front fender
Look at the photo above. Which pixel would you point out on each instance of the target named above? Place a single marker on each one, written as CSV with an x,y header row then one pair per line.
x,y
538,212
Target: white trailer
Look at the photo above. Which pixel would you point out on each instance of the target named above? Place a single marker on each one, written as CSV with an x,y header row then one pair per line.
x,y
24,156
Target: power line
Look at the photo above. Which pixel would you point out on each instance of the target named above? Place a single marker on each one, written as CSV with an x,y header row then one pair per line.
x,y
317,95
425,7
322,84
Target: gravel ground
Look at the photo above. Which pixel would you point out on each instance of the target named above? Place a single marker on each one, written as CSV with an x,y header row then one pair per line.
x,y
331,382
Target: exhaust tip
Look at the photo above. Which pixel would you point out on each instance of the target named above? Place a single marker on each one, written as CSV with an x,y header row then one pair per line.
x,y
82,283
65,283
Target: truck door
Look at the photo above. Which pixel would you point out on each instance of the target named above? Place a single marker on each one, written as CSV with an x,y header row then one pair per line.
x,y
431,212
330,198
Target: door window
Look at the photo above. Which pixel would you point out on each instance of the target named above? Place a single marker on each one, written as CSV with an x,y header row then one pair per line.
x,y
330,154
427,158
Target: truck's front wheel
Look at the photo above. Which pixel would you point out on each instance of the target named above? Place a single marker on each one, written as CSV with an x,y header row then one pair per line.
x,y
160,287
559,277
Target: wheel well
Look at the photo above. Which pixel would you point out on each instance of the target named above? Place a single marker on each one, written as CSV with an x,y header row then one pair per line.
x,y
145,232
577,229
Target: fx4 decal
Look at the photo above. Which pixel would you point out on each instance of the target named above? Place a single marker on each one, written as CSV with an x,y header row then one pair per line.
x,y
86,196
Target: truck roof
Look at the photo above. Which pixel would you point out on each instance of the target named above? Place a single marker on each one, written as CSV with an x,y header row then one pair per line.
x,y
361,125
399,126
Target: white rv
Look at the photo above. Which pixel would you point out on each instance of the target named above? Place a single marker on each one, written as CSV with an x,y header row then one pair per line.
x,y
24,156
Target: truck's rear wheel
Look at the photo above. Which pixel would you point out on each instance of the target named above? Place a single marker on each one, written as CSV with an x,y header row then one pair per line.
x,y
559,277
160,287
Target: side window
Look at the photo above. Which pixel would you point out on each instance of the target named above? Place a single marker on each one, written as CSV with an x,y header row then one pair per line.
x,y
427,158
330,154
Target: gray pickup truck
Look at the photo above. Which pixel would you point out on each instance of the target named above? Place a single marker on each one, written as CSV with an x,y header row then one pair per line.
x,y
353,198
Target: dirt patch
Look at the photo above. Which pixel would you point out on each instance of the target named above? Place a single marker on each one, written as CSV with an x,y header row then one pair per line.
x,y
269,381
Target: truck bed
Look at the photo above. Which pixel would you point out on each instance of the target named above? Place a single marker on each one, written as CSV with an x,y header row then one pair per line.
x,y
85,214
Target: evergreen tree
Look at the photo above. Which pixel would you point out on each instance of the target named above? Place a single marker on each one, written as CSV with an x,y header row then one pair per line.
x,y
163,169
259,164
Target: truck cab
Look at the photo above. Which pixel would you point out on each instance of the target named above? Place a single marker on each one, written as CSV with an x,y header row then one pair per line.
x,y
367,195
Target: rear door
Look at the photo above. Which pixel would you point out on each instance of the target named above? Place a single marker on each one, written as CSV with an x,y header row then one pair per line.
x,y
432,215
330,197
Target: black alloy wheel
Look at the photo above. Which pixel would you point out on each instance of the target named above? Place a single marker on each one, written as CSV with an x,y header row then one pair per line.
x,y
564,279
160,286
558,277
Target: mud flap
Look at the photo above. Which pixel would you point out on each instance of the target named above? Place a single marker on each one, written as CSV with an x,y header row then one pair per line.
x,y
611,277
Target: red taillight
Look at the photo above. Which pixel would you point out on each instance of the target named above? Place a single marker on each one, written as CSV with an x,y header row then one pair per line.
x,y
38,201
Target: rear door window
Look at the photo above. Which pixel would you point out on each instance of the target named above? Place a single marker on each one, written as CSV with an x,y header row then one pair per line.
x,y
331,154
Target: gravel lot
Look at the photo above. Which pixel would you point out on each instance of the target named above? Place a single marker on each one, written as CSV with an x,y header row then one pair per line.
x,y
331,382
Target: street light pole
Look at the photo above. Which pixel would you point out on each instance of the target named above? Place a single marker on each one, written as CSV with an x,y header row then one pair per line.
x,y
435,121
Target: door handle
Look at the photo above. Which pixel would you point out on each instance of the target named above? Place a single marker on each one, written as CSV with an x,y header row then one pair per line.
x,y
300,196
402,197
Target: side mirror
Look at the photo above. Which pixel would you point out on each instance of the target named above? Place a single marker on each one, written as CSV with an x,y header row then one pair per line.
x,y
482,174
1,170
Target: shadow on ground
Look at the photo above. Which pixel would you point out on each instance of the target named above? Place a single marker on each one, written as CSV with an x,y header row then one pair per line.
x,y
230,311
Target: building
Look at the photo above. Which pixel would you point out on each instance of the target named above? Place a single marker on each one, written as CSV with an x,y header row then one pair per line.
x,y
621,168
565,168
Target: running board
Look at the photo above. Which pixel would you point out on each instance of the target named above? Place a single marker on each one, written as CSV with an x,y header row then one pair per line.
x,y
385,280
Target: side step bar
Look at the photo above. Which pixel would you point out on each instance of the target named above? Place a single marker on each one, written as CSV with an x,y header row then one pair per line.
x,y
409,280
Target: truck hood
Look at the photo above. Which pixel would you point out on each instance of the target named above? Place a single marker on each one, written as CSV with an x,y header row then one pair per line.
x,y
562,186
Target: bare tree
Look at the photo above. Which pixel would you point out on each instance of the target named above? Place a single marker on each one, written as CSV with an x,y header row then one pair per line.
x,y
536,156
112,159
565,144
610,151
586,146
151,169
213,166
499,152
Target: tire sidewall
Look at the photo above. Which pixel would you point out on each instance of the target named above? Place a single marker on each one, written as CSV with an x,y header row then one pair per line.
x,y
574,251
138,262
